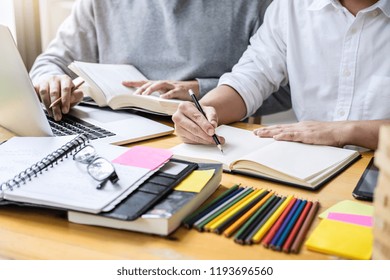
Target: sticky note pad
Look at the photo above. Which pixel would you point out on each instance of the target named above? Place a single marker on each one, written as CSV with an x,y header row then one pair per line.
x,y
362,220
144,157
349,207
195,181
341,239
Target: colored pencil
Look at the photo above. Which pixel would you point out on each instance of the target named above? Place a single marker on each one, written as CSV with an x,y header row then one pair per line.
x,y
275,227
258,220
284,224
223,208
190,219
225,200
290,239
241,234
231,211
290,225
248,239
305,228
221,213
240,213
235,226
259,235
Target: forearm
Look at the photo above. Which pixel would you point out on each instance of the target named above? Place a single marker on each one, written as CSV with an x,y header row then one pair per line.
x,y
227,102
363,133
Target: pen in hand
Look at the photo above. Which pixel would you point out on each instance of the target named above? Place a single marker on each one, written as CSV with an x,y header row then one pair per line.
x,y
58,100
192,94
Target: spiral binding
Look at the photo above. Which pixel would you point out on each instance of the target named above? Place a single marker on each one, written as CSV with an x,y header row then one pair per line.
x,y
47,162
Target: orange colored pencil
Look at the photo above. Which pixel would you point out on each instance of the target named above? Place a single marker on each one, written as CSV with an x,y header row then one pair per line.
x,y
230,230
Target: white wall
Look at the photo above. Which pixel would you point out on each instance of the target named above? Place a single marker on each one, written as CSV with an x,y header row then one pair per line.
x,y
7,15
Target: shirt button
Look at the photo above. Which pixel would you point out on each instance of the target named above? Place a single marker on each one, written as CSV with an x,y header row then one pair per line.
x,y
346,73
375,13
353,30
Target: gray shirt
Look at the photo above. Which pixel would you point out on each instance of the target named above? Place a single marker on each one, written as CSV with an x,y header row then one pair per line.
x,y
164,39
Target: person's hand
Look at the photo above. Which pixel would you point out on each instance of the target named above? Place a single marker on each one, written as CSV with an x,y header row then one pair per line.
x,y
192,127
309,132
167,89
51,88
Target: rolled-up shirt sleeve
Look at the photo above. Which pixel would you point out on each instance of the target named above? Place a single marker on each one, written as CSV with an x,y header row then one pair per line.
x,y
262,68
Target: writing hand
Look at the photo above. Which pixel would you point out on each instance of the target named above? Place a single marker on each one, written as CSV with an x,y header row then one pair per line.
x,y
167,89
192,127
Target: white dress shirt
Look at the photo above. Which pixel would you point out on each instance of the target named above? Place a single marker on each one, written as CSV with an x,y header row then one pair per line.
x,y
338,65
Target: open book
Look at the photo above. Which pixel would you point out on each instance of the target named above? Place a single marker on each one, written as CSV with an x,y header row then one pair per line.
x,y
303,165
167,215
42,171
106,89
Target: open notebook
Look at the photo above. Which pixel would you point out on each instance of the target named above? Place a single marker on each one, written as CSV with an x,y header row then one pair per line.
x,y
302,165
41,171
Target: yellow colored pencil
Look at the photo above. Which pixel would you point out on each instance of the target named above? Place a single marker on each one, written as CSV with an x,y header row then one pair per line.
x,y
236,208
264,229
233,227
209,225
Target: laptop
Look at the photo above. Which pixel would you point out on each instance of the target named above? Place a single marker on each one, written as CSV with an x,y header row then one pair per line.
x,y
22,113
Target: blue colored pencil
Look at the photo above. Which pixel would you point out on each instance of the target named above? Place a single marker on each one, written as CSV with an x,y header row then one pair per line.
x,y
290,225
284,224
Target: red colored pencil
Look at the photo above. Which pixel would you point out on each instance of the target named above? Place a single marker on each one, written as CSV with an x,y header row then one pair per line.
x,y
297,226
267,239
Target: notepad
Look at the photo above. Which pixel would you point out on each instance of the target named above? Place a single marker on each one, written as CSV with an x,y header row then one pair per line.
x,y
341,239
349,207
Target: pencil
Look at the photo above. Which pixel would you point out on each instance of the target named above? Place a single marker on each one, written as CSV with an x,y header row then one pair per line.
x,y
248,239
241,233
305,228
290,225
290,239
206,223
241,239
231,211
190,219
219,204
58,100
279,233
275,227
221,228
259,235
197,104
234,227
200,223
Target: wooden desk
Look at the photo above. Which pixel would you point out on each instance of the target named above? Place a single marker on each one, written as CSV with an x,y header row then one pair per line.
x,y
29,233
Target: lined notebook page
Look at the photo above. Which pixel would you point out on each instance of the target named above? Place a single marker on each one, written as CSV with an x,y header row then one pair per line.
x,y
68,184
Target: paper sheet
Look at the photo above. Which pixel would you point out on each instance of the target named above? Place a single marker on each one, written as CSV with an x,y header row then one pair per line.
x,y
195,181
349,207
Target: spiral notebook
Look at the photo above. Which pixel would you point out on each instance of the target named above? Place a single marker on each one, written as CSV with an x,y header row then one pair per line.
x,y
41,171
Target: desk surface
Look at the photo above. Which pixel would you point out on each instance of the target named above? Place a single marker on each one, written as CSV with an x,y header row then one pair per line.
x,y
29,233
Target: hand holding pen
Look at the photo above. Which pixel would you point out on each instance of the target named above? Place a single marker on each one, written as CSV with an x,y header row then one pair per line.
x,y
197,104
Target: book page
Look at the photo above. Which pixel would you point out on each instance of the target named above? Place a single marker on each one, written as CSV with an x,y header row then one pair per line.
x,y
299,160
109,77
239,142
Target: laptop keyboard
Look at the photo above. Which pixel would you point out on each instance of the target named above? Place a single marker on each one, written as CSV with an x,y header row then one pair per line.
x,y
70,125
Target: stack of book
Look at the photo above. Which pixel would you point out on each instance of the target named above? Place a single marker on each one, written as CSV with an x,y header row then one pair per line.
x,y
381,248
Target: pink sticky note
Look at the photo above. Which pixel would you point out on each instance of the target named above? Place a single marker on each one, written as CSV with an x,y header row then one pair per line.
x,y
351,218
145,157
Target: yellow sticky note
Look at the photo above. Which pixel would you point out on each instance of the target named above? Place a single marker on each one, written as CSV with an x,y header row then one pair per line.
x,y
341,239
195,181
349,207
